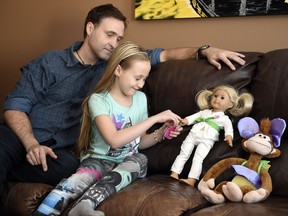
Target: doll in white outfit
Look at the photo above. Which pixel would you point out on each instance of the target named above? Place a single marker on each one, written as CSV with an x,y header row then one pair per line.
x,y
207,124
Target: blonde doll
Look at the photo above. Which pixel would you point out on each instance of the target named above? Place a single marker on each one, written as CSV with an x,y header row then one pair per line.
x,y
208,123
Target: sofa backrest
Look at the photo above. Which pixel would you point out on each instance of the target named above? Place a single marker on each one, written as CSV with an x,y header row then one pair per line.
x,y
270,87
174,84
270,90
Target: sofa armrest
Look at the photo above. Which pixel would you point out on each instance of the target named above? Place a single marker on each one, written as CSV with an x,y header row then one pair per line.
x,y
23,198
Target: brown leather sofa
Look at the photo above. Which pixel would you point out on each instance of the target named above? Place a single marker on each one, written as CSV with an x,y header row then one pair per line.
x,y
173,85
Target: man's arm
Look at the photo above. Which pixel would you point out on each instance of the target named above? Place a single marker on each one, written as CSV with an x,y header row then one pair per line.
x,y
20,124
213,55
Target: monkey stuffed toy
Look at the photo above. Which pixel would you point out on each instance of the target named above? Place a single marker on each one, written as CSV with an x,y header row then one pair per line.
x,y
252,182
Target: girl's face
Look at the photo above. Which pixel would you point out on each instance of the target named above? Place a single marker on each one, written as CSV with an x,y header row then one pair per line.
x,y
220,101
132,79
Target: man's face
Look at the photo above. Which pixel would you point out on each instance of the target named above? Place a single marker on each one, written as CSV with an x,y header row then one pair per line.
x,y
105,37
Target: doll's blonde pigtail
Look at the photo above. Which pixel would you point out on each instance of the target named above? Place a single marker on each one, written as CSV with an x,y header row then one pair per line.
x,y
203,99
243,106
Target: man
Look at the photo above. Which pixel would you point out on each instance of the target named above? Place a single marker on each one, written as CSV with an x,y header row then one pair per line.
x,y
42,114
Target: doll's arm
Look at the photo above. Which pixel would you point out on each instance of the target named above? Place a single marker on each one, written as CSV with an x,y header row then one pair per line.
x,y
188,120
228,140
184,122
228,128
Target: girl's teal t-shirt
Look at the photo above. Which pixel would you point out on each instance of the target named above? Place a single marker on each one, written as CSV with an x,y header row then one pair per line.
x,y
122,117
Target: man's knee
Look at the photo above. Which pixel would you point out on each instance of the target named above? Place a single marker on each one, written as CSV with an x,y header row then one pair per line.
x,y
64,166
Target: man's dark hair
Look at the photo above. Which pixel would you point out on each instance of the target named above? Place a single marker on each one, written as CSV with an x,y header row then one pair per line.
x,y
98,13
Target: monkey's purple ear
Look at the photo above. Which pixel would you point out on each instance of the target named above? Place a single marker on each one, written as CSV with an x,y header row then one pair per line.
x,y
277,129
247,127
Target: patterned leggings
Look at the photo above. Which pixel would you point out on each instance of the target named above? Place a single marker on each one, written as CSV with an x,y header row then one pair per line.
x,y
95,180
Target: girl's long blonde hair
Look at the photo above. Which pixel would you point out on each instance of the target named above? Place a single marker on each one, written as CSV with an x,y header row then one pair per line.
x,y
124,55
242,102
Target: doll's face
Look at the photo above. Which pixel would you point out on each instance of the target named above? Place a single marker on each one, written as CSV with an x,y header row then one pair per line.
x,y
220,101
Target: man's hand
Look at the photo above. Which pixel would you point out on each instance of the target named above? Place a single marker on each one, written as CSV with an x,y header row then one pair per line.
x,y
215,55
36,155
19,122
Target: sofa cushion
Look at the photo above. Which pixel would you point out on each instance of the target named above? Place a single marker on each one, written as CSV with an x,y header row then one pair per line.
x,y
279,171
156,195
273,206
270,90
270,86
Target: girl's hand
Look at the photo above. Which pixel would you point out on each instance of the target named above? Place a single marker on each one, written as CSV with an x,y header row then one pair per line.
x,y
172,131
168,116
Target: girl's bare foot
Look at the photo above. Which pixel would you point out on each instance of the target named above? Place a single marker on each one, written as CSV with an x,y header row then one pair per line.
x,y
189,181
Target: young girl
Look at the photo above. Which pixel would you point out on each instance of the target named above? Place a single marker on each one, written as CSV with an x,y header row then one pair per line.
x,y
208,123
114,125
